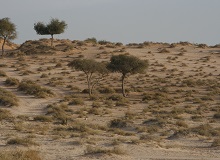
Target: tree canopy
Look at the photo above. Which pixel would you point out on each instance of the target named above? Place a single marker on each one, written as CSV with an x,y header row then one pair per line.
x,y
55,26
7,31
90,67
126,65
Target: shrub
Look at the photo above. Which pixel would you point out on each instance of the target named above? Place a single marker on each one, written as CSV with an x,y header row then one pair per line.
x,y
21,141
20,155
117,123
42,118
76,101
44,75
12,81
164,51
217,115
59,112
7,98
91,40
2,74
31,88
106,90
103,42
216,142
5,115
101,150
204,130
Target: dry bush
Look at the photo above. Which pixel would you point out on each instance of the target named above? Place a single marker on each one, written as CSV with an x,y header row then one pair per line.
x,y
5,115
76,101
164,51
12,81
21,141
117,123
31,88
8,98
101,150
216,143
106,90
43,118
2,74
20,155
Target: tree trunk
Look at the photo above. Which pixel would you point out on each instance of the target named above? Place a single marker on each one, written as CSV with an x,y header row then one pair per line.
x,y
122,85
51,40
3,44
88,77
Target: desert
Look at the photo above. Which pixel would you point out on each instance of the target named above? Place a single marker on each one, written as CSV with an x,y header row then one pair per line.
x,y
171,111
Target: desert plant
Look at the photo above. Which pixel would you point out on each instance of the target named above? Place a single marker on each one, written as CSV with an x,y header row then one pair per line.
x,y
20,141
90,67
20,155
216,143
54,27
101,150
43,118
7,31
5,115
126,65
117,123
76,101
12,81
31,88
2,74
91,40
8,98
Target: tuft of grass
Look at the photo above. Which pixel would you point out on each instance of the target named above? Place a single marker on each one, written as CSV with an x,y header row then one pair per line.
x,y
31,88
8,98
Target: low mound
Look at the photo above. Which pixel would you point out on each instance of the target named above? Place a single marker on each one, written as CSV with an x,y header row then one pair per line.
x,y
42,46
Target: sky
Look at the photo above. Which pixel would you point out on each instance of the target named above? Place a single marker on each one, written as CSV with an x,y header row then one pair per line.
x,y
126,21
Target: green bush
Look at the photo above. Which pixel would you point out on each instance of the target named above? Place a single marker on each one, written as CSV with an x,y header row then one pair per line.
x,y
8,98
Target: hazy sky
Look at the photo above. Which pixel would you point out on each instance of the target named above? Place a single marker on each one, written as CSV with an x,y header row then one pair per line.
x,y
126,21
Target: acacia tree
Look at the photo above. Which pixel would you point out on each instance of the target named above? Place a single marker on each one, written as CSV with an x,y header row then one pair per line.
x,y
7,31
53,27
127,65
94,71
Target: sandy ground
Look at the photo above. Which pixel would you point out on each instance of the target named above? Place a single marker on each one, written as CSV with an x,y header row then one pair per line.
x,y
165,75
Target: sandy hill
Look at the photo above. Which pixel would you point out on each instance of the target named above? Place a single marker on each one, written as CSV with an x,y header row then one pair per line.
x,y
9,45
171,112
